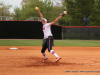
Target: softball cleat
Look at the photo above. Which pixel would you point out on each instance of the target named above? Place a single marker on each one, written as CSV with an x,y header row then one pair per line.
x,y
58,58
44,60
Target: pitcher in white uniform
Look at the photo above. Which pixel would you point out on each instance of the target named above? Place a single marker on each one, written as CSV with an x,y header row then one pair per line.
x,y
48,36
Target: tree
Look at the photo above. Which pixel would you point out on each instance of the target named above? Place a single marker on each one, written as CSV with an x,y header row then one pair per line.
x,y
24,1
4,10
47,8
94,18
78,9
18,13
65,21
28,9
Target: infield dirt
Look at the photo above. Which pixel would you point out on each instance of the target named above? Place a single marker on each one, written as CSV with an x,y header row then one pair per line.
x,y
28,60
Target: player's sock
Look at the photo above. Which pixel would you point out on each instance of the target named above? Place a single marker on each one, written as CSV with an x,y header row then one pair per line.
x,y
54,53
44,54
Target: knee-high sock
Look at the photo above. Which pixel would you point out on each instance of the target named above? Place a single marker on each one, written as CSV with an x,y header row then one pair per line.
x,y
44,54
54,53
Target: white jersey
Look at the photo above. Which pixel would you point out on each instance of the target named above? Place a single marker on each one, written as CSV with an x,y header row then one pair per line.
x,y
47,30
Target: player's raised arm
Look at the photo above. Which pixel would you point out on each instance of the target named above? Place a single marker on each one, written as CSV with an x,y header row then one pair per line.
x,y
37,8
61,15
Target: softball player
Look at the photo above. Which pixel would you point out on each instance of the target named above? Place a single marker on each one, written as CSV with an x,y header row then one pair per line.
x,y
48,36
44,40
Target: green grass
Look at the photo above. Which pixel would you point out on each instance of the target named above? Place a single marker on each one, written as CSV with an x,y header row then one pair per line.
x,y
94,43
86,43
20,42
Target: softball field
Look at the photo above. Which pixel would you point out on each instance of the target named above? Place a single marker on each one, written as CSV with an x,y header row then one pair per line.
x,y
27,60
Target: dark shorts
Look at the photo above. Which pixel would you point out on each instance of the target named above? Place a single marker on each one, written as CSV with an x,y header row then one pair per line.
x,y
47,44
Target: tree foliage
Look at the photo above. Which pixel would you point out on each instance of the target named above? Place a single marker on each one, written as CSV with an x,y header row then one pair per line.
x,y
4,10
47,8
94,18
18,13
78,9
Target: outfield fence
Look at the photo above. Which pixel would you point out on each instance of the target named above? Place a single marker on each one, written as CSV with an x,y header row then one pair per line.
x,y
26,30
33,30
81,32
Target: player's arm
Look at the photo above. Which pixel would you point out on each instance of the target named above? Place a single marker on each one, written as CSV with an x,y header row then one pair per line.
x,y
84,18
55,21
40,13
63,14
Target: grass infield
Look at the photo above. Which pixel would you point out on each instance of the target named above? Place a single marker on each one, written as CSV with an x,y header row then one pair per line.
x,y
86,43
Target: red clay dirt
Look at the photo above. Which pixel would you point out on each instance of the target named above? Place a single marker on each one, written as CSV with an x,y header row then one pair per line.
x,y
28,60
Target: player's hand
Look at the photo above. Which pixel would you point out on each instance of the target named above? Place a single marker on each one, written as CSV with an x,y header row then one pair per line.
x,y
64,13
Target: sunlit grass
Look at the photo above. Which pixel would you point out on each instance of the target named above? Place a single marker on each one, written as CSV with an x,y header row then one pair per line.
x,y
94,43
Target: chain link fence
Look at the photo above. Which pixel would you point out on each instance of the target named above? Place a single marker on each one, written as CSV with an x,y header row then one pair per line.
x,y
81,32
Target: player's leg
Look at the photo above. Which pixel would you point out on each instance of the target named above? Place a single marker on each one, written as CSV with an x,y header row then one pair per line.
x,y
53,43
44,40
43,51
49,45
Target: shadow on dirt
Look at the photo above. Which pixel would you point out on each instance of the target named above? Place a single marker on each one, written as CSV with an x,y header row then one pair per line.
x,y
38,62
33,62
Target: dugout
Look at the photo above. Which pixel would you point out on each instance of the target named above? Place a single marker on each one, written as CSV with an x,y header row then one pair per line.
x,y
81,32
26,30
